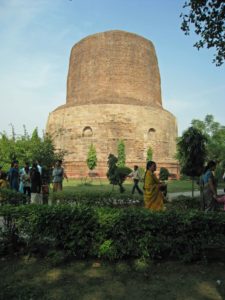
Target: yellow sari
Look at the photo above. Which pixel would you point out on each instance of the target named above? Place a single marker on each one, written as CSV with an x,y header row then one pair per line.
x,y
153,198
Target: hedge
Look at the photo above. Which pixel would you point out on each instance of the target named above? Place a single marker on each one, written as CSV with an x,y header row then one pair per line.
x,y
96,198
110,233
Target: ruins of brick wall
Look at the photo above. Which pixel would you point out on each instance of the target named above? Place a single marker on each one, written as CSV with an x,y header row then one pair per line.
x,y
113,92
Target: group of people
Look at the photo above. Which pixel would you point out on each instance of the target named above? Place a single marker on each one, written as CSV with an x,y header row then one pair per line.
x,y
34,180
153,188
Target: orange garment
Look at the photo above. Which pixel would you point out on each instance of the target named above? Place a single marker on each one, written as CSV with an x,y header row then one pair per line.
x,y
4,184
153,198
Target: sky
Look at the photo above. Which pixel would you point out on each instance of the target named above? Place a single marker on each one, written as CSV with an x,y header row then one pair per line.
x,y
37,36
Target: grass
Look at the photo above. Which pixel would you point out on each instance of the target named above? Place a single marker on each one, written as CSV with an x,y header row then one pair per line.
x,y
103,185
95,280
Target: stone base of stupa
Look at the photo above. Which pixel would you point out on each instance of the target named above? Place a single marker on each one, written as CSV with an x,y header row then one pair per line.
x,y
74,128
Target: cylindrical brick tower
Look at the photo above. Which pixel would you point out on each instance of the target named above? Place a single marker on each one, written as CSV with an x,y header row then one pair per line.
x,y
113,92
113,67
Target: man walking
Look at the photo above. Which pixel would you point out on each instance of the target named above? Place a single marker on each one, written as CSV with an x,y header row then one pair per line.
x,y
136,177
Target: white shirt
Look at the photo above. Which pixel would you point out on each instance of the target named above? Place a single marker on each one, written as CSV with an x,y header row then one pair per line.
x,y
135,175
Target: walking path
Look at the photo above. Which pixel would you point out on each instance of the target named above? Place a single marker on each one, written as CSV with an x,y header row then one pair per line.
x,y
189,194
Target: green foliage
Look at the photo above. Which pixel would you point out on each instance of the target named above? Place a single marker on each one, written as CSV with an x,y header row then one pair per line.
x,y
112,167
184,203
115,174
163,174
215,134
121,154
92,157
81,231
149,154
191,152
8,196
27,148
207,17
141,173
96,198
108,250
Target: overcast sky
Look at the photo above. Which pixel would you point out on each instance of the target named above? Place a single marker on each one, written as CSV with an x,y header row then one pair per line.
x,y
37,36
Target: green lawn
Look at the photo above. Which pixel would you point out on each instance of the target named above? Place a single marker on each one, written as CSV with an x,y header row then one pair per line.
x,y
103,185
93,280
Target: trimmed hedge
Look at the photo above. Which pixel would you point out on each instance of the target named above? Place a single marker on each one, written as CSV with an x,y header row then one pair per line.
x,y
110,233
96,198
8,196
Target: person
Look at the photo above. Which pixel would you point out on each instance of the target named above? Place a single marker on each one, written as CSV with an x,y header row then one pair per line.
x,y
14,176
4,184
21,173
35,178
58,175
153,197
224,180
39,167
26,180
209,187
136,177
45,184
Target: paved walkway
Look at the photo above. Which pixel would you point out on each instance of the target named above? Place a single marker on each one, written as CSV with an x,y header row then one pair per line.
x,y
189,194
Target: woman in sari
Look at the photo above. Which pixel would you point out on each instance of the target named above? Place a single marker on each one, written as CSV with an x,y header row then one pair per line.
x,y
209,187
153,197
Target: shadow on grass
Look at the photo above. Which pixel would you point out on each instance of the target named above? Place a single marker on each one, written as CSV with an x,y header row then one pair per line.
x,y
38,279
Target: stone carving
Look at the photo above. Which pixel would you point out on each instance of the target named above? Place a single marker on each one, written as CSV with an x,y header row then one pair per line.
x,y
113,92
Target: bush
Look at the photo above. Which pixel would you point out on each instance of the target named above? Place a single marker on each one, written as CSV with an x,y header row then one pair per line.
x,y
111,233
163,174
116,174
8,196
95,198
183,203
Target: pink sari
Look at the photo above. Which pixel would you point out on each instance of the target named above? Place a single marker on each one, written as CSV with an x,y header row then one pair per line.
x,y
221,199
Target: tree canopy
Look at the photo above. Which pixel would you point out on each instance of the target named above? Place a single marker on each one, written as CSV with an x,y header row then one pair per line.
x,y
26,148
191,152
215,134
208,18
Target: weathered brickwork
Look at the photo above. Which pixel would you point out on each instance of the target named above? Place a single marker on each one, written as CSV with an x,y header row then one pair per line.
x,y
113,92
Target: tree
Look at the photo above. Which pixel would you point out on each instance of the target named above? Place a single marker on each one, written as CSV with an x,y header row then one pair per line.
x,y
191,153
27,148
149,154
215,145
91,157
163,174
207,17
121,154
215,134
115,174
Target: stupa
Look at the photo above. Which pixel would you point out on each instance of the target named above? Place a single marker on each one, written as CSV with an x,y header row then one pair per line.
x,y
113,93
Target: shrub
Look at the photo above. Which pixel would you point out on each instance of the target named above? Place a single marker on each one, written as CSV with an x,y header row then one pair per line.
x,y
96,198
115,174
121,154
91,157
149,154
111,233
163,174
183,203
141,173
8,196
